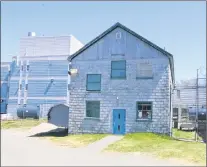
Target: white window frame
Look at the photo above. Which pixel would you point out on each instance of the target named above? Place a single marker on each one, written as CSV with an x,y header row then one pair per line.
x,y
141,70
140,111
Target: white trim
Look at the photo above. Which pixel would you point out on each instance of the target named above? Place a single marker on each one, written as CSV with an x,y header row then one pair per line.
x,y
48,98
5,65
4,82
3,98
41,78
45,57
15,78
40,98
118,35
48,36
14,98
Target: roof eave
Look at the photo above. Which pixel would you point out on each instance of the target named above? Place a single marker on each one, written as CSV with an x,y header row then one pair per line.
x,y
169,55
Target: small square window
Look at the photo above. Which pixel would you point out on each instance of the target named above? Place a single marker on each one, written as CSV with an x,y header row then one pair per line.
x,y
93,82
144,70
93,109
144,110
118,69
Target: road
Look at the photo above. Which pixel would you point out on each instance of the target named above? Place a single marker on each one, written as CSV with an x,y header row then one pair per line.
x,y
20,150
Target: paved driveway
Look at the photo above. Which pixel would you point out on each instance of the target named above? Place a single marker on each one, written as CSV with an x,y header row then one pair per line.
x,y
19,150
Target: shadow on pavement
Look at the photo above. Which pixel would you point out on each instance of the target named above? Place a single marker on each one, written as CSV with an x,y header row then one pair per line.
x,y
59,132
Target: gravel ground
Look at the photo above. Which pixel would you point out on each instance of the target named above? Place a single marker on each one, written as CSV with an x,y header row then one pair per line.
x,y
20,150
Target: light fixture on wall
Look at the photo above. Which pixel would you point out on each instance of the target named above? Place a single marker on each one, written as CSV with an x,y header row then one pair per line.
x,y
73,71
117,101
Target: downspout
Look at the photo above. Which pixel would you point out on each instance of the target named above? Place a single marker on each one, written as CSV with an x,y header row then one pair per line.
x,y
170,110
8,84
20,83
26,83
68,84
68,90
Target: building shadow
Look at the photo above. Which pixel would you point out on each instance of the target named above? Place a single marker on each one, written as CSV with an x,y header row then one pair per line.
x,y
59,132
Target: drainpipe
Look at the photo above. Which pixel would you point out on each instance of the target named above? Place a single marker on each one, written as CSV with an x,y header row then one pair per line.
x,y
171,117
26,83
69,80
20,83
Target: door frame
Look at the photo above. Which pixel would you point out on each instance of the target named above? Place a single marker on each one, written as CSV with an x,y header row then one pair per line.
x,y
123,122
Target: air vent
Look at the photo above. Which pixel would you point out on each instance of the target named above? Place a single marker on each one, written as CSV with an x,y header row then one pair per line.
x,y
118,35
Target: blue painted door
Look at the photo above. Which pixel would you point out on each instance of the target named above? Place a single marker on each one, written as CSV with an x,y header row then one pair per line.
x,y
119,116
3,106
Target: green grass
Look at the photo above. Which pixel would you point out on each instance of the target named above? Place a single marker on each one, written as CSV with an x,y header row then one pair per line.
x,y
77,140
161,146
185,134
21,124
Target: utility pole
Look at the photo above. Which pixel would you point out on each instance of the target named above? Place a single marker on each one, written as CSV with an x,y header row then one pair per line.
x,y
197,107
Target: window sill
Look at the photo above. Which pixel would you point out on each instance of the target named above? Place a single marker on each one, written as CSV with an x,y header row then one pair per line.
x,y
94,91
118,78
144,120
144,77
92,118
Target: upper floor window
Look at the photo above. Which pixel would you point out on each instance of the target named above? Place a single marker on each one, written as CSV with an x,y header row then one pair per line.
x,y
93,82
118,69
144,70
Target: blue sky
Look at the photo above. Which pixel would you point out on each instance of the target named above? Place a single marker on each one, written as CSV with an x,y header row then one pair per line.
x,y
180,27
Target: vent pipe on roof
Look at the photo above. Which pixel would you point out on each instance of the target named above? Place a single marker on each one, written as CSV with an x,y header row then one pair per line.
x,y
31,34
14,58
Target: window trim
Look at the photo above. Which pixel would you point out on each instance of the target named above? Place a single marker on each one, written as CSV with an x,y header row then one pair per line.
x,y
92,82
141,102
95,118
144,77
118,69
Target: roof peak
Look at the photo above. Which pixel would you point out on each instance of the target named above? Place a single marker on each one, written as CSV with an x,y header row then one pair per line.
x,y
130,32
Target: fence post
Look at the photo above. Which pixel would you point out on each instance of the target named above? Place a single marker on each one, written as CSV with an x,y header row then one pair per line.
x,y
197,108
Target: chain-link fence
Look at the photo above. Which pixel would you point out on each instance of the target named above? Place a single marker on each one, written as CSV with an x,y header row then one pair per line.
x,y
189,110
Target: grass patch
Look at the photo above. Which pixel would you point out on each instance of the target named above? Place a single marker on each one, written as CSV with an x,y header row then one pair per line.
x,y
185,134
21,124
77,140
161,146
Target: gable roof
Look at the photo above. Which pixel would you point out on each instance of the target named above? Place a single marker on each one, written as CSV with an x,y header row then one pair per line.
x,y
170,56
